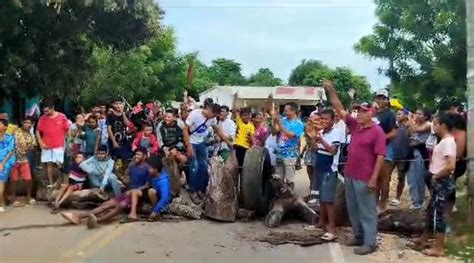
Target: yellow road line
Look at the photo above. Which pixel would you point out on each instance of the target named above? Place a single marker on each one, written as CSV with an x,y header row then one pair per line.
x,y
108,239
84,243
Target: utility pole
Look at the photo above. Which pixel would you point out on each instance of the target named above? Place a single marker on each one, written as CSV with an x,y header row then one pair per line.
x,y
470,100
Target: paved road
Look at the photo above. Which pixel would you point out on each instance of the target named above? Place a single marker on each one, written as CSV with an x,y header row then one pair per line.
x,y
32,234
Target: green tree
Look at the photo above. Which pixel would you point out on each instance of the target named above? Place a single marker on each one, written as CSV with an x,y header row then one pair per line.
x,y
47,49
226,72
424,43
264,77
151,71
299,74
344,80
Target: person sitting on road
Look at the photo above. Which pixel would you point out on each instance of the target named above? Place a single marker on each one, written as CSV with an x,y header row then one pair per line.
x,y
139,183
105,212
99,169
161,188
77,177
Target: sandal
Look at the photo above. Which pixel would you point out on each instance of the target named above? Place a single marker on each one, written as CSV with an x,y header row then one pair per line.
x,y
55,211
329,237
17,204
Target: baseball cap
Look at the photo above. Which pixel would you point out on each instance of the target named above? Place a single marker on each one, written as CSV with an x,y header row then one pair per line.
x,y
382,92
365,106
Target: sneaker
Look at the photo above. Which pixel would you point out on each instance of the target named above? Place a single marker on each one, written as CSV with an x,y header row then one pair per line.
x,y
395,202
2,209
415,207
364,250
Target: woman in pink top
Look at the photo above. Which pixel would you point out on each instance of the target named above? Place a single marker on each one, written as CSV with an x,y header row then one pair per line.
x,y
261,130
441,169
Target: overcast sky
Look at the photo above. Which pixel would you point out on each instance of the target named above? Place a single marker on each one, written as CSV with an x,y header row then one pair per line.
x,y
276,34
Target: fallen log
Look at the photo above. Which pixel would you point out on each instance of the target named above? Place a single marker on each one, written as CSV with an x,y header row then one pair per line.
x,y
287,202
404,221
185,207
84,196
221,196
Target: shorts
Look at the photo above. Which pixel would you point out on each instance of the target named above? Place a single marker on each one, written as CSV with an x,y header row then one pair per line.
x,y
122,200
286,169
309,158
77,185
55,155
5,174
327,193
390,154
144,198
22,170
124,152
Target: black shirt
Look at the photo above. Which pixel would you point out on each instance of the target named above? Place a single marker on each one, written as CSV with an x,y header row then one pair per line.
x,y
387,120
119,129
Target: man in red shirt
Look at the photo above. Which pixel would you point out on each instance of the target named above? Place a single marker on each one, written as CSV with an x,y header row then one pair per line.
x,y
51,133
366,156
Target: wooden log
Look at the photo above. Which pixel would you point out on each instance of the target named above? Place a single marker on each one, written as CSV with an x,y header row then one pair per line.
x,y
287,201
404,221
171,167
221,196
85,196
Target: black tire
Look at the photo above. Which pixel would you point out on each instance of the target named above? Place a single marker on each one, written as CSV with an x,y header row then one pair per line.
x,y
254,181
340,208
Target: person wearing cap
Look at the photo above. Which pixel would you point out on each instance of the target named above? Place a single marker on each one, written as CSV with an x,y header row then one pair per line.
x,y
366,155
387,121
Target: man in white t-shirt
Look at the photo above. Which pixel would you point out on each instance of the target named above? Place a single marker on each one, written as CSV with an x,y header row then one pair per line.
x,y
195,132
227,126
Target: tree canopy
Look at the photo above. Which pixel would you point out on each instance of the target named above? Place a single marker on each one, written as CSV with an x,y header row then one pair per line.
x,y
424,43
264,77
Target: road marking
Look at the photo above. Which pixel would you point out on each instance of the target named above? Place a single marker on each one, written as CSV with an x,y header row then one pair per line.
x,y
118,231
86,242
336,253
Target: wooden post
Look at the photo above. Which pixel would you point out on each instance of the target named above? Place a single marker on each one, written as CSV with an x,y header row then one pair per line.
x,y
470,99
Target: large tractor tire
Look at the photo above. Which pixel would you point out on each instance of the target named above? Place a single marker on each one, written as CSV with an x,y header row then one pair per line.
x,y
254,184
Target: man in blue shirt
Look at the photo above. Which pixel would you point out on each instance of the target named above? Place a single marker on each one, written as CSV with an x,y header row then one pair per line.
x,y
290,130
161,188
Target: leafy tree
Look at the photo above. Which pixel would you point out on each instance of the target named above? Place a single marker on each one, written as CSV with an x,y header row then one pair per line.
x,y
344,80
226,72
298,74
151,71
264,77
47,49
424,43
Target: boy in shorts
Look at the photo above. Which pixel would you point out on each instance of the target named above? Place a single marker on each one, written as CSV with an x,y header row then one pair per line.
x,y
25,143
77,178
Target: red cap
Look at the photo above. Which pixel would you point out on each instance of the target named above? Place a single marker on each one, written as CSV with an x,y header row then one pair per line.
x,y
365,107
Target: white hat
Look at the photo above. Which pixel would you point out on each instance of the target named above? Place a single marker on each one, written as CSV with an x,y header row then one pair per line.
x,y
382,92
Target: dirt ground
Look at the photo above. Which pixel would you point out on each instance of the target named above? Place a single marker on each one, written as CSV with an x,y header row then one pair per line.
x,y
32,234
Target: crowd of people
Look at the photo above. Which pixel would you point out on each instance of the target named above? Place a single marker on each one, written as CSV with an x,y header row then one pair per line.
x,y
120,152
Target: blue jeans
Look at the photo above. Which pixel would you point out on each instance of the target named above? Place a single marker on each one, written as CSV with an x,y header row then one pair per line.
x,y
362,209
198,175
416,179
95,181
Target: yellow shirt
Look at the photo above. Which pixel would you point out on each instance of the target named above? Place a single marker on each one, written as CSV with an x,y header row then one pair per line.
x,y
243,131
11,129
